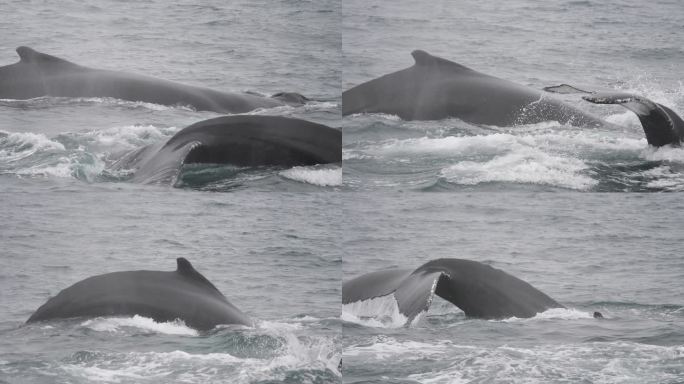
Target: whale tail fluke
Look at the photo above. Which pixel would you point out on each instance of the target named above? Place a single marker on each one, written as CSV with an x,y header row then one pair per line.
x,y
662,125
412,290
478,289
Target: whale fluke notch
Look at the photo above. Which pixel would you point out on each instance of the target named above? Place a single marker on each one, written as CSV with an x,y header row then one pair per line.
x,y
424,59
29,55
480,290
186,269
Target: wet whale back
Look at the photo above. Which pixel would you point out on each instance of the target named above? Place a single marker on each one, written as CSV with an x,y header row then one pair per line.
x,y
163,296
435,88
242,140
38,74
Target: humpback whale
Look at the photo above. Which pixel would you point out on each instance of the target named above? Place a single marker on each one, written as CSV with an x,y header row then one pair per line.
x,y
163,296
435,88
38,74
242,140
480,290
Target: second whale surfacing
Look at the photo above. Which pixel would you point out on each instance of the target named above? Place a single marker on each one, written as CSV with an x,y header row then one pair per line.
x,y
38,74
435,88
241,140
480,290
163,296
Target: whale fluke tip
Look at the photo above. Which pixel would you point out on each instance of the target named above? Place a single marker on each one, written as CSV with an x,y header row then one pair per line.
x,y
184,266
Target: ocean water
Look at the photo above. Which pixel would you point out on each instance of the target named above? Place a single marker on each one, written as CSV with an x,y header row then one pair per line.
x,y
581,214
263,236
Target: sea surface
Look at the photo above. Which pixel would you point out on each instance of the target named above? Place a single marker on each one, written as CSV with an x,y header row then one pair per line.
x,y
263,236
592,217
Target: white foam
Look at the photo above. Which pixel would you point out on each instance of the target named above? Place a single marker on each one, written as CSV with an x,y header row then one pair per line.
x,y
386,347
141,366
278,325
324,177
535,154
349,154
383,116
102,375
587,362
116,324
447,146
554,314
34,155
666,153
531,166
20,145
180,366
318,105
379,312
126,103
665,179
69,166
128,136
307,353
624,119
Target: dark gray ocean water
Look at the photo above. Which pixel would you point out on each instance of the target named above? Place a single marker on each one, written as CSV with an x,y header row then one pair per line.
x,y
592,217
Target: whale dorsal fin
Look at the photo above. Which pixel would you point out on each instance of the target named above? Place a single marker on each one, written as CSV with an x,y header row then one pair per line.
x,y
29,55
424,59
186,269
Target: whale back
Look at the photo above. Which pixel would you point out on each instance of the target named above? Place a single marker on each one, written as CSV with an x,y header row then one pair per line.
x,y
31,76
240,140
183,294
435,88
38,74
